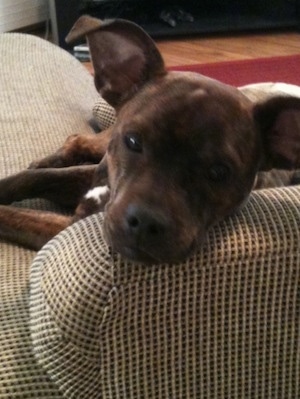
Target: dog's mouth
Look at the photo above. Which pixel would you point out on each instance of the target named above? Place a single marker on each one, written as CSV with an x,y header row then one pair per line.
x,y
137,255
155,254
150,235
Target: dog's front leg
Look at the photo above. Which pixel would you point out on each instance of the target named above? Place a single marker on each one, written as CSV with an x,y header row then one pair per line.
x,y
64,186
30,228
78,149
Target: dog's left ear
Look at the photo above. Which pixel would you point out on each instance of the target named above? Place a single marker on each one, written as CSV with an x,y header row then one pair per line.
x,y
279,122
123,55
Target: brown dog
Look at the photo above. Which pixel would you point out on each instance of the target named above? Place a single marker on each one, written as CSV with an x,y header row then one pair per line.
x,y
184,153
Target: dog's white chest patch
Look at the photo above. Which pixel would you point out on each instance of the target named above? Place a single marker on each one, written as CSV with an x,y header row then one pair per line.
x,y
97,194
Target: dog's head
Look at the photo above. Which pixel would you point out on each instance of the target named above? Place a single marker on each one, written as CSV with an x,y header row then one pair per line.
x,y
185,149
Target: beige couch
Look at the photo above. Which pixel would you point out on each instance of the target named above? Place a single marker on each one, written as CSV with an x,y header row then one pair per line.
x,y
80,322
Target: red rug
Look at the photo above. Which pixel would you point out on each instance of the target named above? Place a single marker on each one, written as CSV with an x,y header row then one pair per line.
x,y
238,73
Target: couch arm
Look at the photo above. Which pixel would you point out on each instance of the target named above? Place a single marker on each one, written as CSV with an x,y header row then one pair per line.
x,y
223,324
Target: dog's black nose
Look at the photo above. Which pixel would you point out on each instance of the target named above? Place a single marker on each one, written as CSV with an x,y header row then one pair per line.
x,y
144,223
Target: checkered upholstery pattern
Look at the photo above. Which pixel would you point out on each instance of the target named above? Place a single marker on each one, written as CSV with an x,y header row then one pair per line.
x,y
224,324
103,113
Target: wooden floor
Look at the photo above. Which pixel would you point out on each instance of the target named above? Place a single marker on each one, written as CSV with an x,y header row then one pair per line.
x,y
217,48
229,47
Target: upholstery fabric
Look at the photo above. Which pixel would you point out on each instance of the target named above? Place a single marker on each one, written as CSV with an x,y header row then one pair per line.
x,y
262,91
224,324
45,96
103,113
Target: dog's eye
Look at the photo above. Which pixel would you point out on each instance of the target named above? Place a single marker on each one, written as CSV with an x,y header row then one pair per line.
x,y
133,143
218,173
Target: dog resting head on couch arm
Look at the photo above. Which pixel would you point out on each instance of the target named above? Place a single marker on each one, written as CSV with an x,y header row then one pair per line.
x,y
185,149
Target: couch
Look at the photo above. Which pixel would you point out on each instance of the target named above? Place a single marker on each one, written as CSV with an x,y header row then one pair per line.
x,y
77,321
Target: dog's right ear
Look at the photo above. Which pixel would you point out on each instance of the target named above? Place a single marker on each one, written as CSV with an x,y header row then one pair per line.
x,y
123,55
278,119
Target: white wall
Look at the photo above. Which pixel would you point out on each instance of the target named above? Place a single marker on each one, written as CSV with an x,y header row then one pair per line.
x,y
16,14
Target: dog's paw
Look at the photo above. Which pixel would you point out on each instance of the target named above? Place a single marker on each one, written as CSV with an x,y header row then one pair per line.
x,y
94,201
35,165
52,161
7,191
